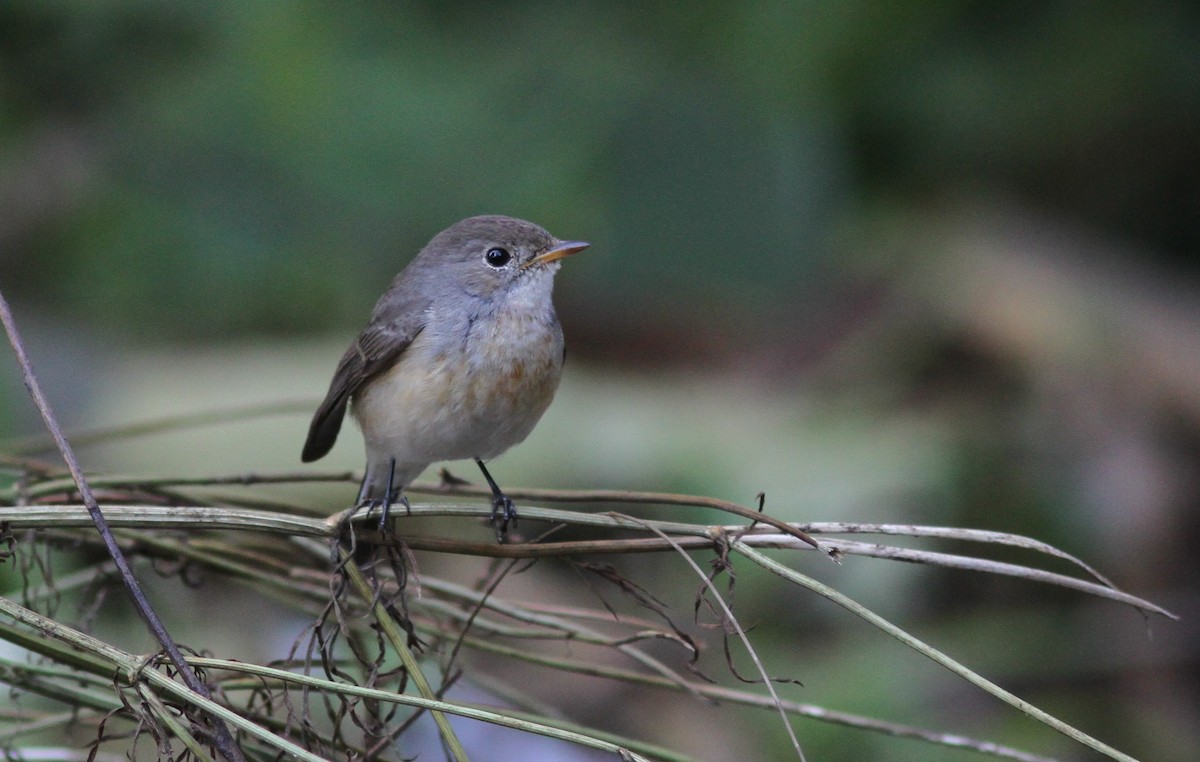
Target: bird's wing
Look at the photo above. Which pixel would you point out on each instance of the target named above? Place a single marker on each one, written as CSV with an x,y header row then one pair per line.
x,y
376,349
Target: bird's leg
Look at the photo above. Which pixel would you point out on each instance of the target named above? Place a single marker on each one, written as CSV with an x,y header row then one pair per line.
x,y
393,496
502,507
390,495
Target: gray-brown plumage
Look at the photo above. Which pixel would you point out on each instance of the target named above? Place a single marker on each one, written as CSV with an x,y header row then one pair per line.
x,y
461,357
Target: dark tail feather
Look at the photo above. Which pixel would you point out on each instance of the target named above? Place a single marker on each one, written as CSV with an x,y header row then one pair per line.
x,y
323,431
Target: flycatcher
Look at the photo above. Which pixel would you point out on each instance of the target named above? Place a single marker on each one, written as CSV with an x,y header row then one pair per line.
x,y
462,355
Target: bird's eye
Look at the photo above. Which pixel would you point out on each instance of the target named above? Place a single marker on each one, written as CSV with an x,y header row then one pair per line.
x,y
497,257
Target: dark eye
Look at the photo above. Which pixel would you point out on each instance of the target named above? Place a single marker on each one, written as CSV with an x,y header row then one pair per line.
x,y
497,257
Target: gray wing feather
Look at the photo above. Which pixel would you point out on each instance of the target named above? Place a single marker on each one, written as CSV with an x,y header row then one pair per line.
x,y
380,346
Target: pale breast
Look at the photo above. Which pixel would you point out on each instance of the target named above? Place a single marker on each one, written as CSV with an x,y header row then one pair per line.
x,y
465,390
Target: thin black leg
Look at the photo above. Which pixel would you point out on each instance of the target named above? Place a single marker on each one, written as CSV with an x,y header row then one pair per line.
x,y
503,510
388,495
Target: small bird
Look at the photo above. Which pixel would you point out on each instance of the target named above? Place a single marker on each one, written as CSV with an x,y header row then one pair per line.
x,y
462,355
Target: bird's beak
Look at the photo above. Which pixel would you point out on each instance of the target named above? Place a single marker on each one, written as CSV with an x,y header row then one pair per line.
x,y
563,249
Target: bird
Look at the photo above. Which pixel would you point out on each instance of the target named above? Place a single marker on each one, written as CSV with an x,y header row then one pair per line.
x,y
460,358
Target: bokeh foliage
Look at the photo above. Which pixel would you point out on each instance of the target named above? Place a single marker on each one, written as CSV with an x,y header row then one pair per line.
x,y
782,195
196,169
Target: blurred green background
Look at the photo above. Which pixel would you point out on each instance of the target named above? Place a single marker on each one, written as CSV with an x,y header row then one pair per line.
x,y
928,262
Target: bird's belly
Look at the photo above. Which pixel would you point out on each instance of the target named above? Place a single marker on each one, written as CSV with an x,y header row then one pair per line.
x,y
473,397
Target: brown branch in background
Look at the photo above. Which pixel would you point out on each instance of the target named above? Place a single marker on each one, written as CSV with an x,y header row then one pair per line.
x,y
222,738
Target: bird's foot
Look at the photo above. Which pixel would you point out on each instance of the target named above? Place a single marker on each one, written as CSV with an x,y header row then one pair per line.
x,y
503,510
385,508
391,492
503,514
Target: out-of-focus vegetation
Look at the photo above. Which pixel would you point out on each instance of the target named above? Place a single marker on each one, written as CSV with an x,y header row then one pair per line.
x,y
923,262
177,170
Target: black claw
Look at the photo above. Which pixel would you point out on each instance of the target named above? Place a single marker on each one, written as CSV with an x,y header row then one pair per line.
x,y
504,512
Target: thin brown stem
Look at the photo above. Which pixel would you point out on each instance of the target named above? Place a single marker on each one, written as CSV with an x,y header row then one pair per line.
x,y
223,739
